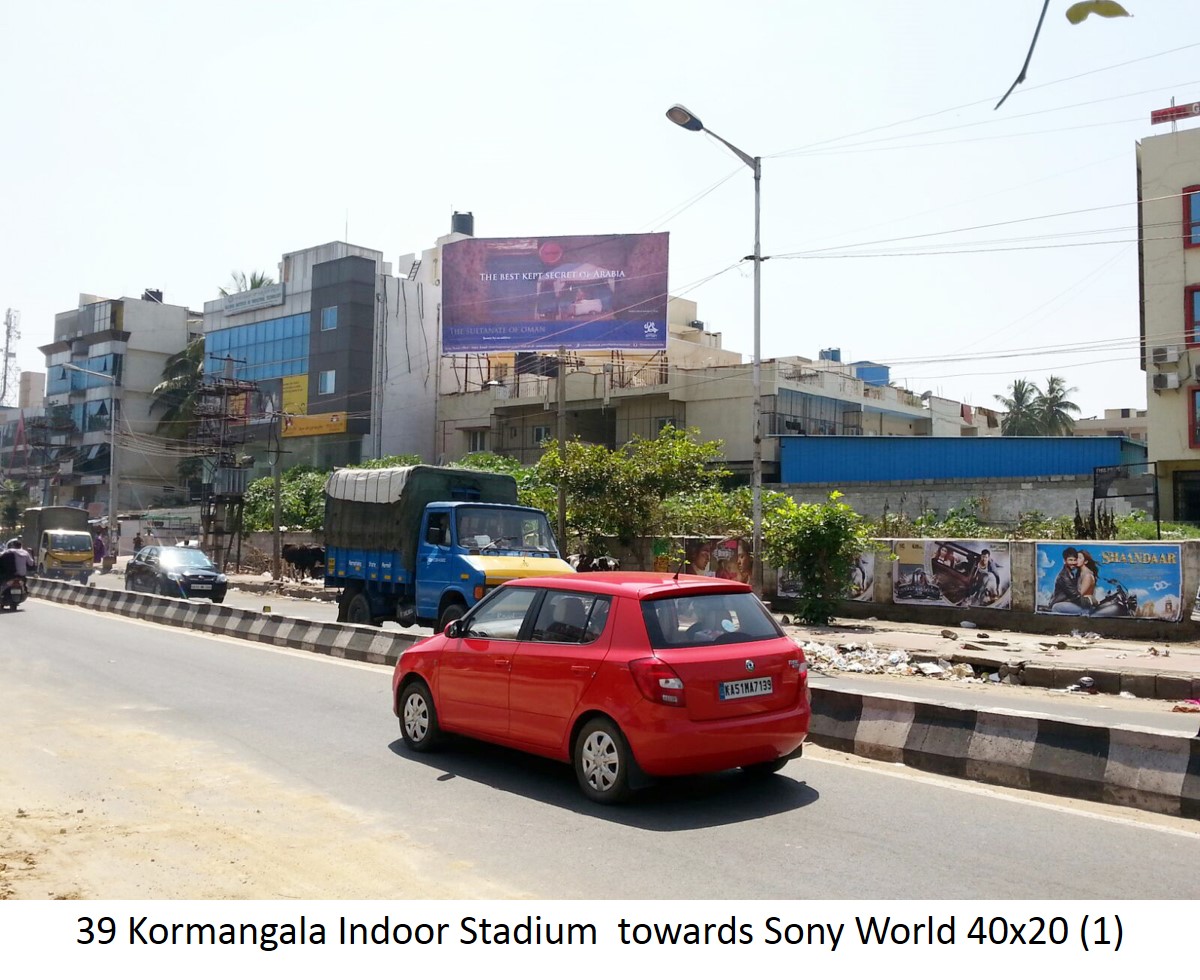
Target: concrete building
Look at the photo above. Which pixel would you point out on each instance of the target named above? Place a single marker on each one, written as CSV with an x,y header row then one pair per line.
x,y
20,457
500,404
339,356
1168,174
108,354
1128,423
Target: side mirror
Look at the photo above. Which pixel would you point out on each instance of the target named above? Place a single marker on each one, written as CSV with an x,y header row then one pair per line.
x,y
455,629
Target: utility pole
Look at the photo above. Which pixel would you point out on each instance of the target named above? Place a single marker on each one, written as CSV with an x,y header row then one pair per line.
x,y
11,378
562,449
276,546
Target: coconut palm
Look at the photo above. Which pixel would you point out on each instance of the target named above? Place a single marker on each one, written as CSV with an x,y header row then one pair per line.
x,y
239,282
176,395
1052,407
1021,409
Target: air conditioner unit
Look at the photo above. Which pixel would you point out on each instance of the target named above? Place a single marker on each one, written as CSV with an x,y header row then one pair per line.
x,y
1165,355
1163,381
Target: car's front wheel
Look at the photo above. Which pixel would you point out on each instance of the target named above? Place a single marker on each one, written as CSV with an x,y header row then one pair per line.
x,y
418,718
602,761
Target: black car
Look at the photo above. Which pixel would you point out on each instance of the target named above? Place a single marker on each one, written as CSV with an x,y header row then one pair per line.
x,y
183,573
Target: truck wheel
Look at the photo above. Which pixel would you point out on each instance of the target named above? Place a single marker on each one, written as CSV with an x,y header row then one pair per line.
x,y
358,611
455,610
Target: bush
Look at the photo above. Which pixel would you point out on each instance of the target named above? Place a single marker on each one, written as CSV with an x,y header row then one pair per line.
x,y
819,544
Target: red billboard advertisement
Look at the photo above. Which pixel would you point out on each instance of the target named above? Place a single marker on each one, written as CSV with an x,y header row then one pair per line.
x,y
580,292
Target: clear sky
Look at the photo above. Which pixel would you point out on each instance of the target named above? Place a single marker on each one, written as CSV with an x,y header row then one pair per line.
x,y
164,145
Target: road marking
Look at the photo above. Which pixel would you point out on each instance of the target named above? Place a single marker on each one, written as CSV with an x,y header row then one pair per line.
x,y
1107,812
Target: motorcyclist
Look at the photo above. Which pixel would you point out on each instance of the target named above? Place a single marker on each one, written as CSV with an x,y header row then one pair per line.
x,y
15,564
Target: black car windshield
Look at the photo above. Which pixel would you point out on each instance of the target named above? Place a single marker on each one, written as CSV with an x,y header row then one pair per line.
x,y
707,619
184,558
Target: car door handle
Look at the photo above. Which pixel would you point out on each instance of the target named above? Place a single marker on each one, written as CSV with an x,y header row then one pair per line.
x,y
580,669
501,662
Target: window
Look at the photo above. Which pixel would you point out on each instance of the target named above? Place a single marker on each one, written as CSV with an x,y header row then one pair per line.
x,y
501,617
326,382
1191,216
1194,418
540,434
1191,315
662,422
329,318
571,617
477,441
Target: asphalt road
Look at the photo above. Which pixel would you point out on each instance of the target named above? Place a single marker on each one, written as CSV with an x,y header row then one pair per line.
x,y
827,827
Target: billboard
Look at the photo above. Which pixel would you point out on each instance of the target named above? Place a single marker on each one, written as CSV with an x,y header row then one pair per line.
x,y
581,292
952,573
1110,580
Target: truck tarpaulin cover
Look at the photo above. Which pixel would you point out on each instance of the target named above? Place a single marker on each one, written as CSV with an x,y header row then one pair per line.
x,y
580,292
380,510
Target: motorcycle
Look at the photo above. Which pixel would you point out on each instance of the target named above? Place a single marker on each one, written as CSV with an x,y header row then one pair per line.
x,y
13,593
1118,602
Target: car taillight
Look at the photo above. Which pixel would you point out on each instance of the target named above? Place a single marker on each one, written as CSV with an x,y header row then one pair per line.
x,y
658,682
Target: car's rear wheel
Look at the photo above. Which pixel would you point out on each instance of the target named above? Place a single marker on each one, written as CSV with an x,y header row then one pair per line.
x,y
418,718
602,761
761,769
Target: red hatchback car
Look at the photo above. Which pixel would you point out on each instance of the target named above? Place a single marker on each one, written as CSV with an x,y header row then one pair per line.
x,y
625,675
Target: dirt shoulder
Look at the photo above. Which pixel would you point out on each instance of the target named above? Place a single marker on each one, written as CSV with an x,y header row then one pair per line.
x,y
96,809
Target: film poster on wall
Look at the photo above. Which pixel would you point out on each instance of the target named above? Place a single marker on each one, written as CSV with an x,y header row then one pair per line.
x,y
953,573
1110,580
860,588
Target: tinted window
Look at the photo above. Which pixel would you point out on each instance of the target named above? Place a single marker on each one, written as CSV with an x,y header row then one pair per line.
x,y
571,617
501,615
704,620
185,557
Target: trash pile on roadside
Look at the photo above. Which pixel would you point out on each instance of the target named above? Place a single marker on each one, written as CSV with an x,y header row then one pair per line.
x,y
864,658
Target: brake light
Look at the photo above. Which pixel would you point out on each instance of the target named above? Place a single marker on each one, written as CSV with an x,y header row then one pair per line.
x,y
658,682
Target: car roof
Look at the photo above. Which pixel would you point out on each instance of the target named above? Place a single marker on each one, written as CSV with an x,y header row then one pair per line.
x,y
637,585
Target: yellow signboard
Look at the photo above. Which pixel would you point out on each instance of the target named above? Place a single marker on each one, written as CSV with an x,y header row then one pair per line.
x,y
295,394
313,425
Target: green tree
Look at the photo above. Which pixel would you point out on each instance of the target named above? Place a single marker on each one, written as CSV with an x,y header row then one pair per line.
x,y
1021,409
239,282
387,462
532,491
1052,406
301,500
619,493
14,498
176,398
819,544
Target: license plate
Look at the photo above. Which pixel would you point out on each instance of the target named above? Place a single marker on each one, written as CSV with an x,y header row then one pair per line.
x,y
755,686
198,586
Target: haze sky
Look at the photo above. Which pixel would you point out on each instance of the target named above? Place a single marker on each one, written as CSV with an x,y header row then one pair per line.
x,y
907,222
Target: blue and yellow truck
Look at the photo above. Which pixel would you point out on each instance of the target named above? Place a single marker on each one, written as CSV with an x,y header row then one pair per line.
x,y
422,544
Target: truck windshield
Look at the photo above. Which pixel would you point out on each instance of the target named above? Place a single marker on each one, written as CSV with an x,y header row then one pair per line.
x,y
500,529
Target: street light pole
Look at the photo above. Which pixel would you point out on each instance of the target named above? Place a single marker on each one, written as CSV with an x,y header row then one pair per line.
x,y
685,118
113,533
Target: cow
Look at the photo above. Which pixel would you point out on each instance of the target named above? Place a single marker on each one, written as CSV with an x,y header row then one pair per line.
x,y
306,560
590,563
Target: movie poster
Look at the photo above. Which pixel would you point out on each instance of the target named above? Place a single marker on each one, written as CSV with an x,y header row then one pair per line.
x,y
860,588
953,573
728,558
1110,580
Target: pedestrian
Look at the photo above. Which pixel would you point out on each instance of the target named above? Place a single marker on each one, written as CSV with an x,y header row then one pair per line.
x,y
138,543
98,549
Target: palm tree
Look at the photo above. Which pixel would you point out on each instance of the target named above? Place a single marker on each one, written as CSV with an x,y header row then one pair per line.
x,y
1021,409
239,282
176,395
1052,407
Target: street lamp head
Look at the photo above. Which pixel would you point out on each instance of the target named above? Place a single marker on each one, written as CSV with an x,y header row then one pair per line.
x,y
682,117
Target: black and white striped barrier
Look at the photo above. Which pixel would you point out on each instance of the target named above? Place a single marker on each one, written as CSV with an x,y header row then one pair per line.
x,y
362,643
1141,768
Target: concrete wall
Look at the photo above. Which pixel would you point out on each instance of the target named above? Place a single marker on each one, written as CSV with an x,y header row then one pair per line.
x,y
1001,501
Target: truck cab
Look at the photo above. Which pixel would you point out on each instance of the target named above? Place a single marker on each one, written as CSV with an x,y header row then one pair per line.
x,y
422,544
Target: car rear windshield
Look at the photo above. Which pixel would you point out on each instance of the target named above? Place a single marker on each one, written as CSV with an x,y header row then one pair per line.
x,y
708,619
